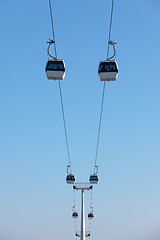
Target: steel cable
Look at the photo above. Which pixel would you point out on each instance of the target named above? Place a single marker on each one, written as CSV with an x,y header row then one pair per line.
x,y
60,91
103,94
50,7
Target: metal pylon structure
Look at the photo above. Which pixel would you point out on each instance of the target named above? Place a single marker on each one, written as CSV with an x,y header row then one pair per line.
x,y
82,187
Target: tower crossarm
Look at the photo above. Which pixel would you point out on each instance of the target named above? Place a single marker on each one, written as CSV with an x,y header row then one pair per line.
x,y
87,234
82,186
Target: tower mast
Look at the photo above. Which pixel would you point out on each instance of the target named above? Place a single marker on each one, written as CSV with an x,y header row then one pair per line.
x,y
82,186
82,219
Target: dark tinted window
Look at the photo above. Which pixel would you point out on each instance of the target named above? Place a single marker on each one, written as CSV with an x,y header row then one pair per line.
x,y
71,177
55,66
108,67
94,177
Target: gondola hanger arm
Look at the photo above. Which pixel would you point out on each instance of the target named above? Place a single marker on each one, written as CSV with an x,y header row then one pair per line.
x,y
95,169
114,49
68,169
50,42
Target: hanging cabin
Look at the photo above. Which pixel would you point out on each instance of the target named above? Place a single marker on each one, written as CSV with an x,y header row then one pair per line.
x,y
108,70
93,179
75,215
90,215
70,179
55,69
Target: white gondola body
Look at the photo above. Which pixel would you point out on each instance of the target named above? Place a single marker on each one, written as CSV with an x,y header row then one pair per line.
x,y
70,182
58,75
108,76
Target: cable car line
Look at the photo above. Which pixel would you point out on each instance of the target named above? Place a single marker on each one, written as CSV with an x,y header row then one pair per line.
x,y
103,94
54,40
110,27
60,90
65,129
99,128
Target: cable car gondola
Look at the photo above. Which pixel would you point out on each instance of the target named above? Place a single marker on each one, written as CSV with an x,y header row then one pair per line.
x,y
70,179
93,179
90,215
75,215
55,69
108,70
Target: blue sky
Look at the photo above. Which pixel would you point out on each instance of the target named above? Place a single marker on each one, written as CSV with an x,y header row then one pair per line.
x,y
35,201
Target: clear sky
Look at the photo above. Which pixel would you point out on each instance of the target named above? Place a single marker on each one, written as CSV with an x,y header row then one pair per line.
x,y
35,202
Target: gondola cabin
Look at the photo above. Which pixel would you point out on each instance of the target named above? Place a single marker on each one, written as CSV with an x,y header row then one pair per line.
x,y
90,215
70,179
108,70
75,215
55,69
93,179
